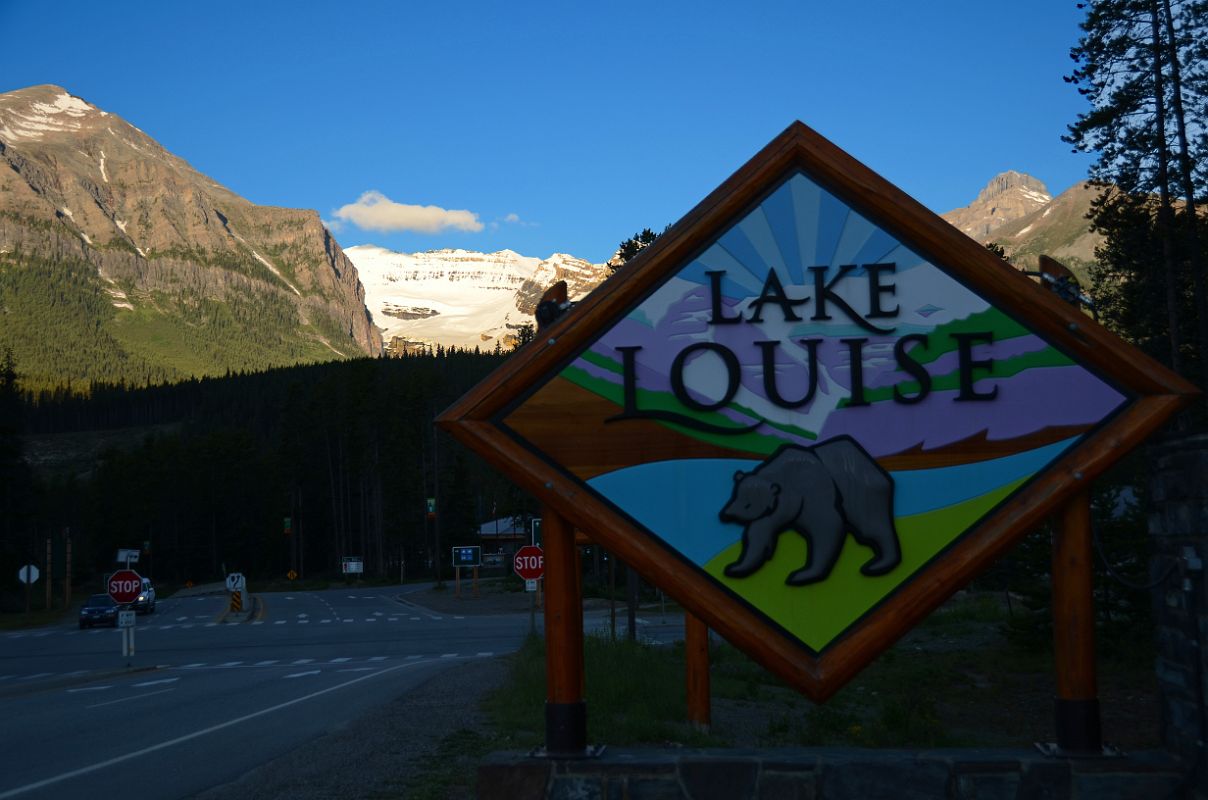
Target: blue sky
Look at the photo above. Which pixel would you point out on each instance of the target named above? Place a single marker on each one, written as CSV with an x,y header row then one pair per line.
x,y
562,126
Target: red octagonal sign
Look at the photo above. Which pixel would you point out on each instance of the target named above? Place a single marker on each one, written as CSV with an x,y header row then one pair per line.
x,y
124,586
529,562
813,410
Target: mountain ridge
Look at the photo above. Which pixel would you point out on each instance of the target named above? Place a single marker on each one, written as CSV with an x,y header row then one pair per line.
x,y
193,278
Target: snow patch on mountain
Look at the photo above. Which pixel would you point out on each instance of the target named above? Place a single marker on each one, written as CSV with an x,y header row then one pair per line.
x,y
461,298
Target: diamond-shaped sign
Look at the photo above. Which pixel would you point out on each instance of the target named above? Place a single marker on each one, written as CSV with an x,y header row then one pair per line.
x,y
813,410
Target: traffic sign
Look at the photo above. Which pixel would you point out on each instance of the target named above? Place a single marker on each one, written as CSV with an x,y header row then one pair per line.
x,y
292,574
529,562
28,574
467,556
536,539
124,586
235,582
125,618
813,410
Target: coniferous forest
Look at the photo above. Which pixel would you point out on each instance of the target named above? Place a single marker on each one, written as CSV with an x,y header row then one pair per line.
x,y
201,475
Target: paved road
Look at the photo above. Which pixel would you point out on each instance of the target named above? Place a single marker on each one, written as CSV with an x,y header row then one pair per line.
x,y
202,702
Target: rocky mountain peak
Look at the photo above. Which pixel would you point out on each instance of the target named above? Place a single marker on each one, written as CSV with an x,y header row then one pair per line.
x,y
1007,197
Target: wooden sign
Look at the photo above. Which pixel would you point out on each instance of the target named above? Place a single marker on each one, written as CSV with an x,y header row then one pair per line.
x,y
813,410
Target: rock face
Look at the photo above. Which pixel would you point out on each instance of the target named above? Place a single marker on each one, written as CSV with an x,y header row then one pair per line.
x,y
461,298
1016,212
82,185
1007,197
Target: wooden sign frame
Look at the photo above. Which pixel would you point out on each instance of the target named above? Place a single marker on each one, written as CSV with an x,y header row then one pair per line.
x,y
1153,394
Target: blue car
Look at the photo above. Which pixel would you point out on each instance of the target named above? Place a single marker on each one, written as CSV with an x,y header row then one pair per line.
x,y
98,610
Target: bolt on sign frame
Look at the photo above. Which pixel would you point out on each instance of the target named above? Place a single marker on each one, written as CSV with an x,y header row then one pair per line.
x,y
812,410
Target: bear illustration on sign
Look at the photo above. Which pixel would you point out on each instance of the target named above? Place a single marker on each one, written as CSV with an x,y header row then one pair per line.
x,y
821,492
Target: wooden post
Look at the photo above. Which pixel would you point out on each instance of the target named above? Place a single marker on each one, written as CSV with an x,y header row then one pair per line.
x,y
1077,702
457,582
565,710
67,574
696,655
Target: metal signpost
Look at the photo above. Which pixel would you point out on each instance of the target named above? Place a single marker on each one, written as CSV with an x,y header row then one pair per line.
x,y
28,575
811,411
123,586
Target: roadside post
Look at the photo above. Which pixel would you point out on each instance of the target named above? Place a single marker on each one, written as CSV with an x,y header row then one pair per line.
x,y
470,557
28,575
123,586
529,564
696,658
236,585
810,325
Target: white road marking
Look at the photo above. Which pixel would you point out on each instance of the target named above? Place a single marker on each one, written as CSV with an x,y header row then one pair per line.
x,y
266,662
324,621
181,619
303,615
340,660
258,622
165,627
415,619
303,661
211,624
37,675
230,663
303,622
90,689
304,674
348,620
435,617
132,697
378,658
448,655
378,614
413,658
279,622
194,666
371,619
392,619
355,669
484,655
156,683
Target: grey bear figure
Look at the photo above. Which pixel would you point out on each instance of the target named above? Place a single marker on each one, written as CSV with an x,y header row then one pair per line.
x,y
822,492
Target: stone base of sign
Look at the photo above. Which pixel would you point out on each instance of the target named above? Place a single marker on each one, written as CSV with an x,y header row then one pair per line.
x,y
830,774
1178,525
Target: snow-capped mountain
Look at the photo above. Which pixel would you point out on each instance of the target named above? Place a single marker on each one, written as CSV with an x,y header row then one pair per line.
x,y
460,298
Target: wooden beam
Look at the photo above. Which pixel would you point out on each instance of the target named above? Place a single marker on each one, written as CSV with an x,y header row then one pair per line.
x,y
1077,702
696,654
565,710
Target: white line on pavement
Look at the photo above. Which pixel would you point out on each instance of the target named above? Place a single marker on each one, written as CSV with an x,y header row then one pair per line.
x,y
127,699
29,787
156,683
90,689
304,674
265,663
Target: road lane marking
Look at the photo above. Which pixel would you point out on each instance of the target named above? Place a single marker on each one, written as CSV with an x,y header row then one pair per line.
x,y
37,675
90,689
279,622
349,620
304,674
340,660
485,655
355,669
265,663
181,619
448,655
258,622
413,658
230,663
415,619
392,619
128,699
303,661
157,682
371,619
378,658
378,614
75,773
324,621
303,622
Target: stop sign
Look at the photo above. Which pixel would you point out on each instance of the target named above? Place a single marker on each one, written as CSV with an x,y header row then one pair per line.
x,y
529,562
124,586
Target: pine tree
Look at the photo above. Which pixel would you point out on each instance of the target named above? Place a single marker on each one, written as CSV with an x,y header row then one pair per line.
x,y
1141,67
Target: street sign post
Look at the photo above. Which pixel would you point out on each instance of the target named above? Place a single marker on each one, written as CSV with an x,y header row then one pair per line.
x,y
28,574
125,618
235,582
529,562
811,411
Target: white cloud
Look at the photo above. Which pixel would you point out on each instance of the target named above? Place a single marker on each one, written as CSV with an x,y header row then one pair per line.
x,y
375,211
514,219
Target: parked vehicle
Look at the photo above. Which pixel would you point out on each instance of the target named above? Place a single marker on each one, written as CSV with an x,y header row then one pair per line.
x,y
98,610
145,602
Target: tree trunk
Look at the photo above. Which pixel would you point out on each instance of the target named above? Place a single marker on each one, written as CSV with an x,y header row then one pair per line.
x,y
1165,212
